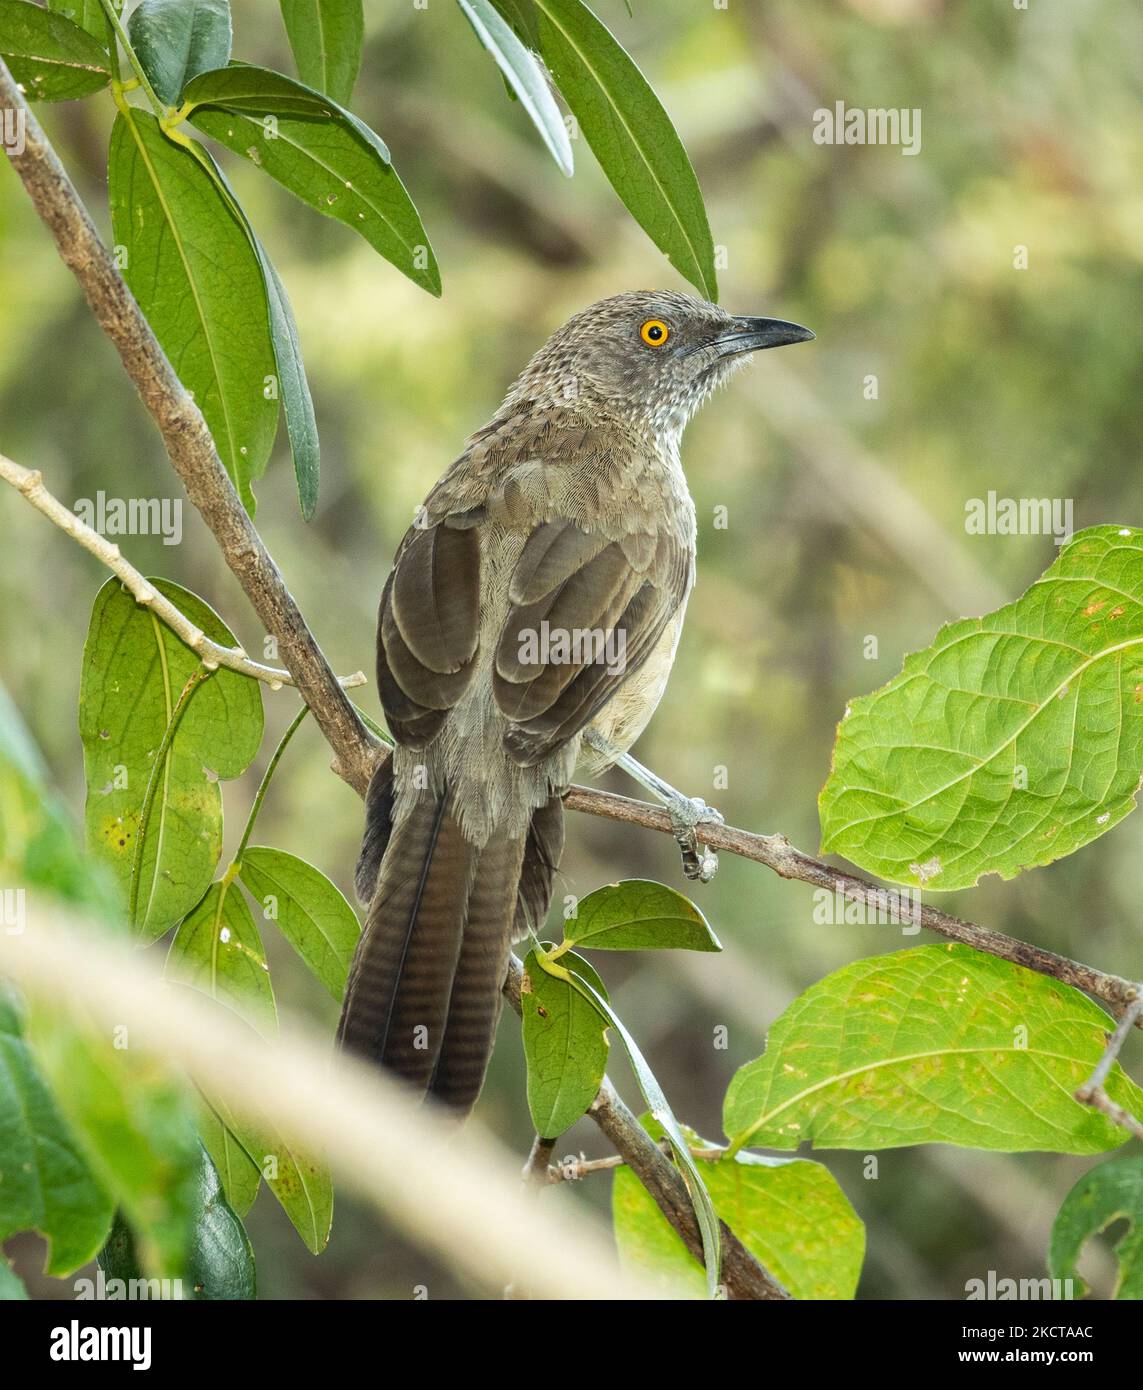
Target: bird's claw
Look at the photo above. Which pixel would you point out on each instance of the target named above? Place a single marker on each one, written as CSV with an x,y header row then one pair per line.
x,y
687,813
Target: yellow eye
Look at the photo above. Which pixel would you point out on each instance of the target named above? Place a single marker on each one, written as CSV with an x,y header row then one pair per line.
x,y
654,332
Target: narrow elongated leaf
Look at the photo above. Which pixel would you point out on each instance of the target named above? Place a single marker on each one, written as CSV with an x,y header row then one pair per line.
x,y
639,915
134,670
524,76
219,951
88,14
564,1043
788,1212
246,87
300,1182
631,136
297,403
190,265
301,425
175,40
324,155
239,1177
522,17
49,56
136,1123
1011,741
933,1045
325,38
46,1183
220,1263
310,911
1107,1194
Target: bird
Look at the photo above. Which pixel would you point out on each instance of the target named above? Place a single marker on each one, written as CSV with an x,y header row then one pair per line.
x,y
528,625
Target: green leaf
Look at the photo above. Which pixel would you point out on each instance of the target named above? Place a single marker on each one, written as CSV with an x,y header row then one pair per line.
x,y
38,844
221,1261
301,426
310,911
218,950
524,76
49,56
631,135
933,1045
11,1285
88,14
564,1043
323,154
661,1112
325,38
136,1124
638,915
790,1213
190,265
1107,1194
175,40
301,1183
1011,741
521,15
297,403
46,1183
236,1171
134,669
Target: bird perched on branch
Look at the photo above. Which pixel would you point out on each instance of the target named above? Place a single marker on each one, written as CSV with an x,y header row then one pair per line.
x,y
529,623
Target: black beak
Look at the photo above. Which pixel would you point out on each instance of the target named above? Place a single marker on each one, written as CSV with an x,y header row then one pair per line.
x,y
751,335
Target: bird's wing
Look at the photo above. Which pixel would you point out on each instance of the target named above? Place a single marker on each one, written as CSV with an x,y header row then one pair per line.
x,y
623,588
626,573
428,627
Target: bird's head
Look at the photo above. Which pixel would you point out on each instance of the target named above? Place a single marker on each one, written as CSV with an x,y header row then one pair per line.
x,y
654,354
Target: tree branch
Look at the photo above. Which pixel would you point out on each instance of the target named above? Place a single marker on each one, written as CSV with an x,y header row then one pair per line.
x,y
187,440
29,483
778,854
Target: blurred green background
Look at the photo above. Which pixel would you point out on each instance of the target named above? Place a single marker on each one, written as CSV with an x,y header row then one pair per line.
x,y
846,514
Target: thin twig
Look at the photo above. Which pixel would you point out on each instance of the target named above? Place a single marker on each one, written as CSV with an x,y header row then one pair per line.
x,y
576,1167
29,483
1093,1091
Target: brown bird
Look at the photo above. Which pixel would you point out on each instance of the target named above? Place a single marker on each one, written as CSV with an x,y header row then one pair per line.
x,y
529,623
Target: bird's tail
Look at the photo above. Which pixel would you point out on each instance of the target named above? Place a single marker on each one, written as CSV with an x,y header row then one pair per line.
x,y
423,997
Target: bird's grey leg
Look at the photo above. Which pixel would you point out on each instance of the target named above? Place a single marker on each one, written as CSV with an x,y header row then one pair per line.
x,y
686,812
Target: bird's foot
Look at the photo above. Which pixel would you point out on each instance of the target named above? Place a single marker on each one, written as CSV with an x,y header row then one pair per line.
x,y
687,813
